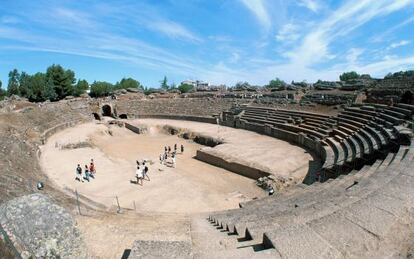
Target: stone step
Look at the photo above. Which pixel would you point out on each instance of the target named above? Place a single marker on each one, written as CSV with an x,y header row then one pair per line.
x,y
245,253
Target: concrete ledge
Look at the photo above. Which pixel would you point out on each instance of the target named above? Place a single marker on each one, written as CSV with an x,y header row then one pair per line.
x,y
245,170
160,249
211,120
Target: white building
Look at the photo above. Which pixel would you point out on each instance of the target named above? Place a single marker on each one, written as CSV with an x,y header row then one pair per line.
x,y
198,85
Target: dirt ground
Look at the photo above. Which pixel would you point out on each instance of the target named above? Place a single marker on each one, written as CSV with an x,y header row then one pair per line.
x,y
164,205
193,186
272,155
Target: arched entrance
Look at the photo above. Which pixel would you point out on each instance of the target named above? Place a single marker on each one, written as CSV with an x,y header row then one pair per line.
x,y
96,116
123,116
407,97
107,110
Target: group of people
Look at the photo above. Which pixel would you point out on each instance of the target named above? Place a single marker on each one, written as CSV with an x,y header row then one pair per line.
x,y
142,172
87,173
168,152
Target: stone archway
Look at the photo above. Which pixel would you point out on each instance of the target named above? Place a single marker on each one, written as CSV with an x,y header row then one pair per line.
x,y
107,110
407,97
96,116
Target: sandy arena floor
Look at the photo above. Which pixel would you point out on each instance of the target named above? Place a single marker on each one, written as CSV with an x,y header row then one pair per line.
x,y
166,202
193,186
266,153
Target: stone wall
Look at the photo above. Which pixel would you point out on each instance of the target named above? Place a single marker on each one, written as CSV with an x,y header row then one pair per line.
x,y
206,119
207,156
38,227
392,90
178,106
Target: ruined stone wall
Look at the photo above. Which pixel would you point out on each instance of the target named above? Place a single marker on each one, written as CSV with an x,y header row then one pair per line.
x,y
21,133
245,170
178,106
389,91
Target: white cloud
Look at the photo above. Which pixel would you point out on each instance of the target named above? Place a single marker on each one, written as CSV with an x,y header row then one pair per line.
x,y
174,30
235,57
288,33
348,17
398,44
312,5
353,55
258,8
383,35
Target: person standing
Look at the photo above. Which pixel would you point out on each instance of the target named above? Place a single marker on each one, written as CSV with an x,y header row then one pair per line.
x,y
92,168
173,159
86,177
79,173
146,172
175,147
182,148
139,175
169,149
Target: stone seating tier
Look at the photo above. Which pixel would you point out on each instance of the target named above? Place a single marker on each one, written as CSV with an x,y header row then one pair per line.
x,y
276,220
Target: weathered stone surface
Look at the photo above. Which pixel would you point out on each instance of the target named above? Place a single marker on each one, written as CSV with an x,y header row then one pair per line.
x,y
41,228
160,249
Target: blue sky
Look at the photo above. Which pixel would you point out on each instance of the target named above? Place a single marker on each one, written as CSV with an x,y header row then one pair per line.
x,y
218,41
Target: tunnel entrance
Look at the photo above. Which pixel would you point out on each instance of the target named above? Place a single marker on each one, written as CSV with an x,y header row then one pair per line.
x,y
123,116
96,116
107,110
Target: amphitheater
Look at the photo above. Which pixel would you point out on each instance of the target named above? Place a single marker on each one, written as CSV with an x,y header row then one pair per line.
x,y
343,180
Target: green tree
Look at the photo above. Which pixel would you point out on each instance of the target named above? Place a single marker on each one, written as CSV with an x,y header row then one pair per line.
x,y
62,80
81,87
49,92
2,92
185,88
164,83
276,84
13,86
349,75
37,83
128,83
24,84
99,89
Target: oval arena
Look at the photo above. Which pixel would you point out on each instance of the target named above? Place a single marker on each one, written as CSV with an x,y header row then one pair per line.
x,y
342,178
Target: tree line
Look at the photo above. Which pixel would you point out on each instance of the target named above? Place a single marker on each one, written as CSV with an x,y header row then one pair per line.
x,y
57,83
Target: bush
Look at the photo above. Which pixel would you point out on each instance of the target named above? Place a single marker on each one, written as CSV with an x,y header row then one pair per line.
x,y
185,88
349,76
99,89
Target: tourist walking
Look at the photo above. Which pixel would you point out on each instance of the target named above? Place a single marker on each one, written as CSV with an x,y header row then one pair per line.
x,y
161,158
182,148
173,159
146,172
175,148
86,176
92,168
165,149
139,175
165,157
79,173
169,149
